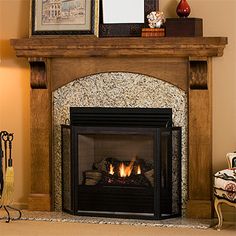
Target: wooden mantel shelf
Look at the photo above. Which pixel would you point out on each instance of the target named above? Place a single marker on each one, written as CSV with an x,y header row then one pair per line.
x,y
87,46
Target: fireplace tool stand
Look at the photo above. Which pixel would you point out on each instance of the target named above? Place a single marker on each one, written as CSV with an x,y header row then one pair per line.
x,y
8,213
7,183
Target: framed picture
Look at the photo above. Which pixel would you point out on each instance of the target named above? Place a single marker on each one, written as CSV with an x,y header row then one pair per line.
x,y
124,18
63,17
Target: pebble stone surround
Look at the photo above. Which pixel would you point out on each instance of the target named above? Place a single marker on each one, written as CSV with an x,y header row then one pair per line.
x,y
117,90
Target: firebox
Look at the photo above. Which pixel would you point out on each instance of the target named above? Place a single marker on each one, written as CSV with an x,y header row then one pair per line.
x,y
121,162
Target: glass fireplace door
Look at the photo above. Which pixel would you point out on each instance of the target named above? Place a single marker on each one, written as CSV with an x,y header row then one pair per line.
x,y
115,171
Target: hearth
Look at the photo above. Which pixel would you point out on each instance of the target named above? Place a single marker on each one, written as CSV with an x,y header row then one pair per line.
x,y
122,162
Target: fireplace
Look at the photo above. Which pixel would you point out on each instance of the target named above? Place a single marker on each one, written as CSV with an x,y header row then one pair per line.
x,y
122,162
184,63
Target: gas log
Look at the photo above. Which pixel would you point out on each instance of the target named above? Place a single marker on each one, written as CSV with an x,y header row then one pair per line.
x,y
111,171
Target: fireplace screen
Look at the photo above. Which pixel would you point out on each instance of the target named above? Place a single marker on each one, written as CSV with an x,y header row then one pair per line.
x,y
121,171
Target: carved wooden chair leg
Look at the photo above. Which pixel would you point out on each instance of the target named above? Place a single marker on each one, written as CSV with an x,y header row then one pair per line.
x,y
218,204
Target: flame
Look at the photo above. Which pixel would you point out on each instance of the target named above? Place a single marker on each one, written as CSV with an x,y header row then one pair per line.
x,y
125,171
111,170
139,170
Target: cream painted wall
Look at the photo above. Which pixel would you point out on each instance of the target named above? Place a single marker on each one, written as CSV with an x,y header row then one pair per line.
x,y
15,89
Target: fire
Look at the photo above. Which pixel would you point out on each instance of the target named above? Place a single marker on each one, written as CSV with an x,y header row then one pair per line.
x,y
111,170
125,171
139,170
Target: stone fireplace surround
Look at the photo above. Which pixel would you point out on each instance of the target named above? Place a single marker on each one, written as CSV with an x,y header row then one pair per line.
x,y
183,62
116,89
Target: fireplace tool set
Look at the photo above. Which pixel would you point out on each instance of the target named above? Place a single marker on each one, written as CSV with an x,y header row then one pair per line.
x,y
7,175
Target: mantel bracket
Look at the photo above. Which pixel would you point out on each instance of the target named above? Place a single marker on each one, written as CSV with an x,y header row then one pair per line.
x,y
198,68
38,76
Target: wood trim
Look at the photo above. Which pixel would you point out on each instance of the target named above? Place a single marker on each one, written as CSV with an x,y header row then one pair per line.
x,y
20,205
200,146
40,127
65,70
88,46
199,209
39,202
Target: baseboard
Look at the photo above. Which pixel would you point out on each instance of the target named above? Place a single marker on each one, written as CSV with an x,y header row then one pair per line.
x,y
199,209
39,202
20,205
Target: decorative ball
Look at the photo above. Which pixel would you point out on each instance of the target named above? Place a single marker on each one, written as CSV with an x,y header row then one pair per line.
x,y
156,19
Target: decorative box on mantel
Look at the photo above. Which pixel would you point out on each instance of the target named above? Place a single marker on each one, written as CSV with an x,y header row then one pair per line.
x,y
184,27
153,32
184,62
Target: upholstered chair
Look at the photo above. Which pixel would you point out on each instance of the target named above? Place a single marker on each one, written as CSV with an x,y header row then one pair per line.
x,y
225,187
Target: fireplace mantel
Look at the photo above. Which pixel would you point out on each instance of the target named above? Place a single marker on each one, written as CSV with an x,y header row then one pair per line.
x,y
183,62
119,47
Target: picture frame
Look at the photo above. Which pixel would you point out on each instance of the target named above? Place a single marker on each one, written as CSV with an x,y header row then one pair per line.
x,y
74,17
125,29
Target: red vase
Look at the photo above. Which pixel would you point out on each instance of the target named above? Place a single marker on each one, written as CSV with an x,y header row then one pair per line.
x,y
183,9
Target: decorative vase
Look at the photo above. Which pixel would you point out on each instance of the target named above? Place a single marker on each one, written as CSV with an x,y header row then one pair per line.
x,y
183,9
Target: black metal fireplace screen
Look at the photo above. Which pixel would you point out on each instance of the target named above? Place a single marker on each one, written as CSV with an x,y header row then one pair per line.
x,y
122,162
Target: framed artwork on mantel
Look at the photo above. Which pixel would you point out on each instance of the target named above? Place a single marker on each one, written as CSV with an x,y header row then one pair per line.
x,y
124,18
64,17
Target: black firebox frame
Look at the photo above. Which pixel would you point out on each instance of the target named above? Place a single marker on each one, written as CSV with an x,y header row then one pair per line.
x,y
86,200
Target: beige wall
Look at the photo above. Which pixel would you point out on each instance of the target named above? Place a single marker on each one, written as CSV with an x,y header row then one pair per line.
x,y
15,91
219,20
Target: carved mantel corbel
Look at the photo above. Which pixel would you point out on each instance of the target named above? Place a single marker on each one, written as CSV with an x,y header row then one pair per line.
x,y
198,68
38,76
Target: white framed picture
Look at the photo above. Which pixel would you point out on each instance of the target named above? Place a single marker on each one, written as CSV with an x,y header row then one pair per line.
x,y
123,11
